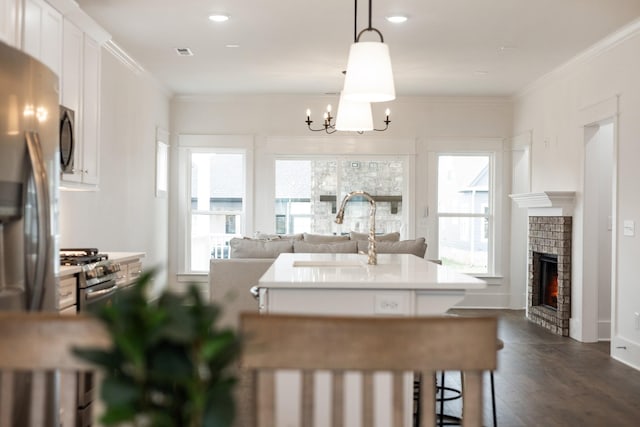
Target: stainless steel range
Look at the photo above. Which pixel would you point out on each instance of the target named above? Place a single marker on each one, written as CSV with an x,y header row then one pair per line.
x,y
96,287
97,279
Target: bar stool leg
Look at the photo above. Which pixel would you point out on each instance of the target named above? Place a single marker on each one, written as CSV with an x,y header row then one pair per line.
x,y
493,400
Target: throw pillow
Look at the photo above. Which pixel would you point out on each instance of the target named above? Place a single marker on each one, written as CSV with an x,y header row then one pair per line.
x,y
389,237
417,247
349,247
254,248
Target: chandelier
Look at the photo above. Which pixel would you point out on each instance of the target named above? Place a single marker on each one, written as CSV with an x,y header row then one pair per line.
x,y
361,86
352,116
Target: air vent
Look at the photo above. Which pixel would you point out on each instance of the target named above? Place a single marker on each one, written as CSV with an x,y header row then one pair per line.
x,y
184,51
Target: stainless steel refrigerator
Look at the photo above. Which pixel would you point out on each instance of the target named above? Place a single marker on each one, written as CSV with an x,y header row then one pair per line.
x,y
29,175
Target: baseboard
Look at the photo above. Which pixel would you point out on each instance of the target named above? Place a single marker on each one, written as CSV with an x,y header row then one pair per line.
x,y
626,352
485,300
575,329
604,330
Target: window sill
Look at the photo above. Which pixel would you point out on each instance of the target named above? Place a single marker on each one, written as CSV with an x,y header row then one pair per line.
x,y
192,277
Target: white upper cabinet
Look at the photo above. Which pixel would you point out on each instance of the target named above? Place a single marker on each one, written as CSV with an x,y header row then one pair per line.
x,y
63,37
9,25
42,33
81,93
91,111
71,88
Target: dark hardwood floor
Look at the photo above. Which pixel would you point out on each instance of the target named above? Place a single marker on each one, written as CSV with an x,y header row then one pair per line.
x,y
548,380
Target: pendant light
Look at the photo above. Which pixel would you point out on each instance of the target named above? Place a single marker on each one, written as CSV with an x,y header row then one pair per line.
x,y
354,116
369,75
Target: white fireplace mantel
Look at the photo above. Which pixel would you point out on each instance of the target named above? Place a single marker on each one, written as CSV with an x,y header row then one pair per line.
x,y
546,203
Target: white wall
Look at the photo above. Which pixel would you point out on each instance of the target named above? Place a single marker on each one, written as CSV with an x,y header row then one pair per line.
x,y
553,109
124,214
276,123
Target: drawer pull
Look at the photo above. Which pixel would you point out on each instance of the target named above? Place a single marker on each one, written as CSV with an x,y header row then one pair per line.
x,y
68,294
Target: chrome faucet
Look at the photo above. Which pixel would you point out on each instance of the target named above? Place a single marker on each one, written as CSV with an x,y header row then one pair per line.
x,y
372,253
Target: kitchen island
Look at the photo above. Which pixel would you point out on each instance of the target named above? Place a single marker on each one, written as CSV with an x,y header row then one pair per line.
x,y
344,284
400,284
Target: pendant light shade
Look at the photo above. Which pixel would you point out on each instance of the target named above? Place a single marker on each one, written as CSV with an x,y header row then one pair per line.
x,y
354,116
369,76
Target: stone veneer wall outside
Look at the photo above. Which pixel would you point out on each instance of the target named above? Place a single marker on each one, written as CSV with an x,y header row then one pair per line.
x,y
376,177
550,235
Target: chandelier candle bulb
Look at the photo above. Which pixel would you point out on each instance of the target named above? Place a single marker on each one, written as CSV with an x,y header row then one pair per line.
x,y
387,112
308,114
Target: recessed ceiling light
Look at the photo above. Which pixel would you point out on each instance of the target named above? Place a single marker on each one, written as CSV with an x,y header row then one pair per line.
x,y
218,17
184,51
231,46
397,19
481,72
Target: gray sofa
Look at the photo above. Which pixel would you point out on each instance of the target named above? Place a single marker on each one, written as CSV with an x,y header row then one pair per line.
x,y
231,279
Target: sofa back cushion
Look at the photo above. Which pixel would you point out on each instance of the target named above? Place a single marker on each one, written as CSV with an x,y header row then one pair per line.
x,y
255,248
324,238
348,247
389,237
417,247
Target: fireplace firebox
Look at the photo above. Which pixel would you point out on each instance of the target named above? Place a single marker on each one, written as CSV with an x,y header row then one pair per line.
x,y
547,280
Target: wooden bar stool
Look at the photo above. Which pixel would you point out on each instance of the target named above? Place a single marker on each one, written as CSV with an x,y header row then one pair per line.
x,y
444,419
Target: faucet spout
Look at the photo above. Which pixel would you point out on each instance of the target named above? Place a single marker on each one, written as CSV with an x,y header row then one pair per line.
x,y
372,252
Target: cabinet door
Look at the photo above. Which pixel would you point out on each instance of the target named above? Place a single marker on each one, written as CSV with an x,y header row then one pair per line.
x,y
8,21
42,33
51,38
91,112
32,30
71,90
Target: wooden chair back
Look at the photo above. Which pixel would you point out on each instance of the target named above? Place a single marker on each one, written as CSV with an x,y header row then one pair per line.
x,y
38,370
368,344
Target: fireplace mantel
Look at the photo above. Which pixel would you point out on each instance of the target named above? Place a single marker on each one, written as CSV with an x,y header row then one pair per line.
x,y
546,203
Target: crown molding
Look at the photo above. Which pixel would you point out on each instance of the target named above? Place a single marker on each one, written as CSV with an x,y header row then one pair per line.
x,y
609,42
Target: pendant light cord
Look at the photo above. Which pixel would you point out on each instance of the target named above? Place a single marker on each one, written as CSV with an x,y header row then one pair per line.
x,y
370,28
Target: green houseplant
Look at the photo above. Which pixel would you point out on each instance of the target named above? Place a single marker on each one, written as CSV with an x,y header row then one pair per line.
x,y
169,365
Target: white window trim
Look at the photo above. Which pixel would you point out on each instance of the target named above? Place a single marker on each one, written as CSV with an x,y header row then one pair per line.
x,y
460,146
240,144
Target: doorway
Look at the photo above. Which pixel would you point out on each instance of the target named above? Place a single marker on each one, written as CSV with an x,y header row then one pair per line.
x,y
598,223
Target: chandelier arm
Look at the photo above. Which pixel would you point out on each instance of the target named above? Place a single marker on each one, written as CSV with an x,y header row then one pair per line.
x,y
324,128
370,29
386,126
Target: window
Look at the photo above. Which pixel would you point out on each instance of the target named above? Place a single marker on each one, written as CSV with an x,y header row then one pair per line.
x,y
308,192
464,211
216,207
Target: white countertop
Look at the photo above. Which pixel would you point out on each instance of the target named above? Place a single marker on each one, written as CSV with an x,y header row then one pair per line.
x,y
124,256
393,271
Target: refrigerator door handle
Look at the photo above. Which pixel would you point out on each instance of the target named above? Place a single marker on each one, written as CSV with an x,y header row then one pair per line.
x,y
43,216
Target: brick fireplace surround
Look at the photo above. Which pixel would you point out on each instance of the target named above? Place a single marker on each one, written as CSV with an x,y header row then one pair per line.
x,y
550,235
550,215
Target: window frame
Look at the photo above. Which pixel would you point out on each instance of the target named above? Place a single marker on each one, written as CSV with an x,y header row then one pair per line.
x,y
223,144
494,148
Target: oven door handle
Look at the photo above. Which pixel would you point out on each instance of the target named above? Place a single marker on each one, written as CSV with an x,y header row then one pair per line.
x,y
90,295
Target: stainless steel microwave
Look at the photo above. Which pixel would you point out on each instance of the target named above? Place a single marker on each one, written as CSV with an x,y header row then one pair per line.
x,y
67,139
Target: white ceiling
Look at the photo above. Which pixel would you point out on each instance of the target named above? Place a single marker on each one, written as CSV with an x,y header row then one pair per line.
x,y
447,47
